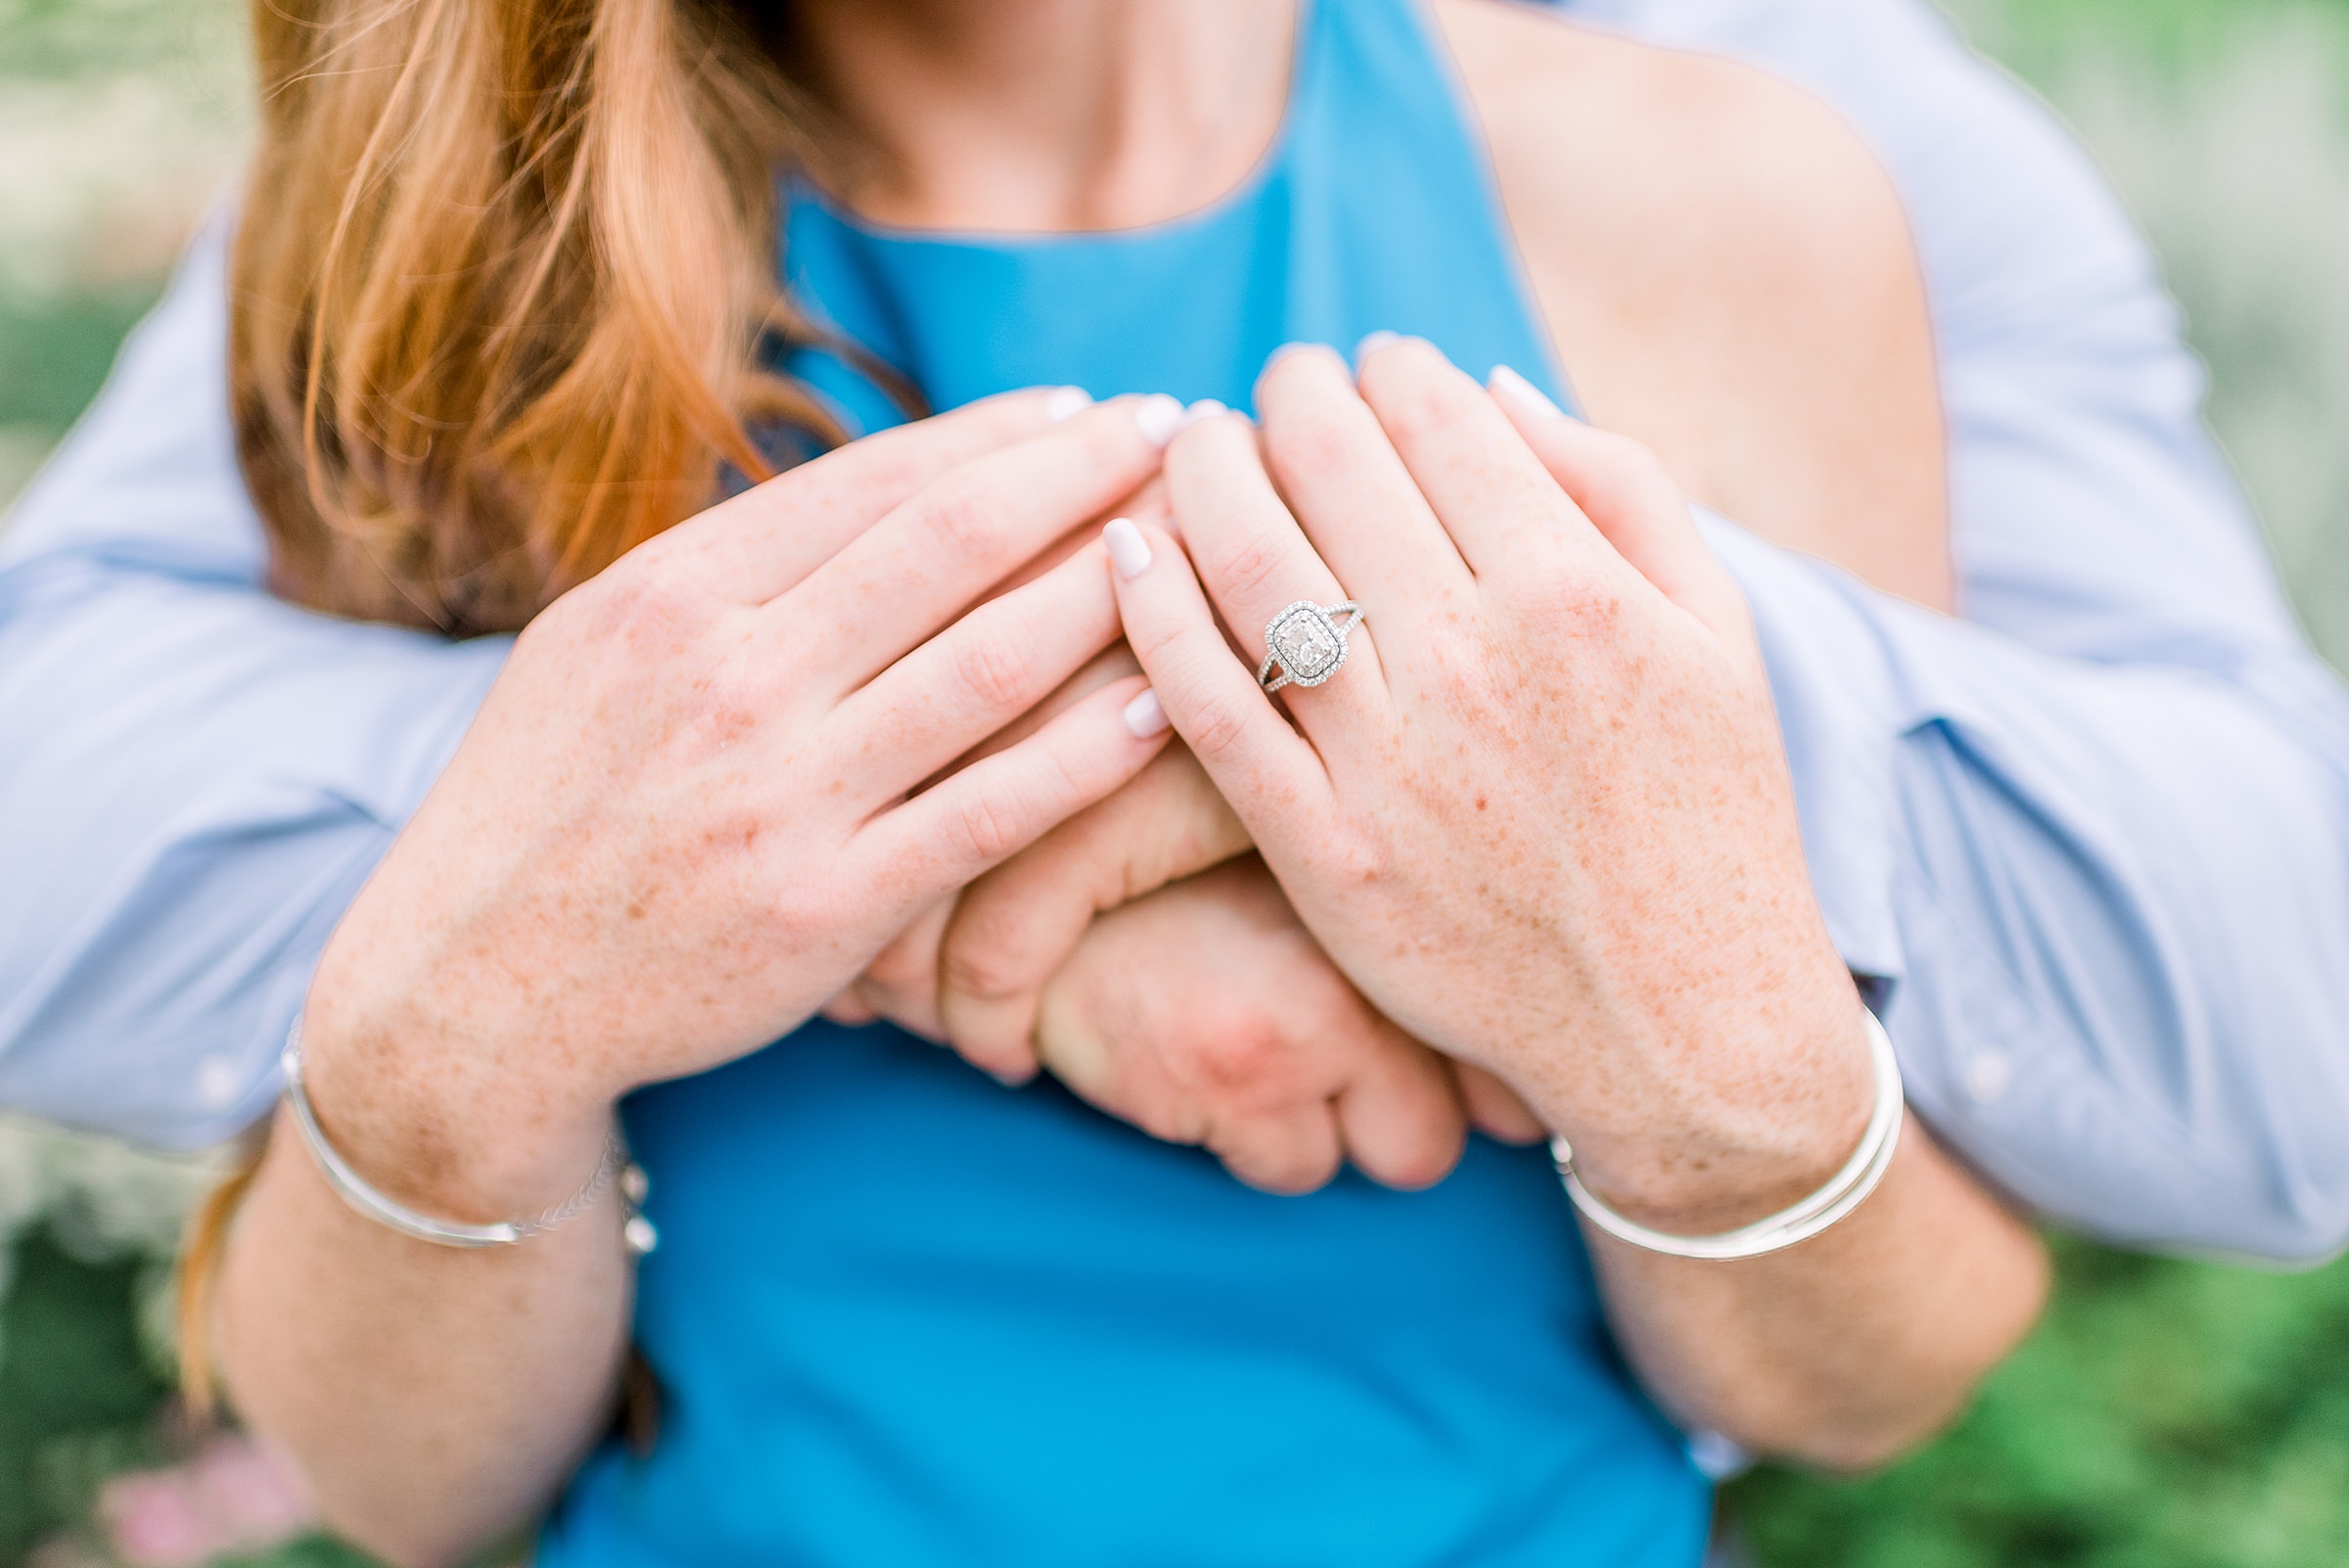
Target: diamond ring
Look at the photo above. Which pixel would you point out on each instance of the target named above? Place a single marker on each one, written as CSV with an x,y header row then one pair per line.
x,y
1307,643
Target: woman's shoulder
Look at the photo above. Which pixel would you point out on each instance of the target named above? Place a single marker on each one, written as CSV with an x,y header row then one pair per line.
x,y
1727,273
1686,146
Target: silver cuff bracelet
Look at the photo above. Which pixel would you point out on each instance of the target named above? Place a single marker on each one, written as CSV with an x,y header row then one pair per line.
x,y
1845,1191
364,1199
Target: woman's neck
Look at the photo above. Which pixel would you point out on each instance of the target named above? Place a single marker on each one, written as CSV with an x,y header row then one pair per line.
x,y
1045,114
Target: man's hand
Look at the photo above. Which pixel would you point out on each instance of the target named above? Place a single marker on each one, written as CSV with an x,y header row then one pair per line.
x,y
972,969
1206,1014
1202,1014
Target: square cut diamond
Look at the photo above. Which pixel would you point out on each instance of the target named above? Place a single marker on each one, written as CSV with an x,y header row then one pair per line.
x,y
1307,643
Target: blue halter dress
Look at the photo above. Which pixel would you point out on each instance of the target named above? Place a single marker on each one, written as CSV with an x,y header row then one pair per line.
x,y
902,1316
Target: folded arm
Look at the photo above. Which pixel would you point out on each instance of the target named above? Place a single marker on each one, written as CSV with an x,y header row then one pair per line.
x,y
2109,902
198,777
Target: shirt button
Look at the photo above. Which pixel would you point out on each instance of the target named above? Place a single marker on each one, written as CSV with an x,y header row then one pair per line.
x,y
216,1082
1988,1076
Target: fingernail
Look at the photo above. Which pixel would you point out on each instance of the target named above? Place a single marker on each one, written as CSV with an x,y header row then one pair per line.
x,y
1373,341
1065,401
1145,718
1524,393
1158,417
1287,348
1129,551
1204,408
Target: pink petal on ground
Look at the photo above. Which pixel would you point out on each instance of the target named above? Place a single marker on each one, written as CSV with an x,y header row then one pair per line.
x,y
152,1521
251,1496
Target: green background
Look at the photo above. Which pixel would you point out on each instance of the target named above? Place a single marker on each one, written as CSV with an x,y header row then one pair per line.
x,y
2166,1414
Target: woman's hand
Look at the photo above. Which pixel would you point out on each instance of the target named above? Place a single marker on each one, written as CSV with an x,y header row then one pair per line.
x,y
683,817
688,812
1541,819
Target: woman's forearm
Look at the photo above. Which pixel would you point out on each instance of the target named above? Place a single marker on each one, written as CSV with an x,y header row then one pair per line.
x,y
1847,1348
446,1399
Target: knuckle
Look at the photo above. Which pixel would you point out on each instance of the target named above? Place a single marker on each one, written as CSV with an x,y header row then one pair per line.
x,y
1576,608
1355,861
988,963
900,969
1218,727
1243,1059
992,823
993,668
1252,564
965,518
631,599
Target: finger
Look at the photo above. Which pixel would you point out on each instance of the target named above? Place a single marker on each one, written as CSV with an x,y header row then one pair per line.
x,y
1266,769
1014,928
754,547
1279,1143
981,673
1494,1107
1400,1116
901,984
1256,564
1627,496
1351,491
958,829
1289,1151
942,549
1114,662
1496,500
849,1009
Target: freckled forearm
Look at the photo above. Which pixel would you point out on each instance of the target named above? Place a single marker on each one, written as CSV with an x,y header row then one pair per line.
x,y
1847,1348
433,1397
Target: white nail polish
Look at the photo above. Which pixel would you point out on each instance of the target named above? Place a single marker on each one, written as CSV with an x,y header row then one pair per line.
x,y
1287,348
1145,716
1066,401
1204,408
1373,341
1158,417
1524,393
1129,551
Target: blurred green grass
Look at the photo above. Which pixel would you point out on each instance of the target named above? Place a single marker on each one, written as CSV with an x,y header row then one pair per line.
x,y
2166,1414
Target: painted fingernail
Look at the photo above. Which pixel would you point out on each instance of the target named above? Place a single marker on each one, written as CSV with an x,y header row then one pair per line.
x,y
1129,551
1204,408
1145,718
1506,383
1373,341
1158,417
1065,401
1287,348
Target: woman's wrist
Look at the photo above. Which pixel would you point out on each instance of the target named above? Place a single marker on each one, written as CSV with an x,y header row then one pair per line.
x,y
464,1128
1745,1140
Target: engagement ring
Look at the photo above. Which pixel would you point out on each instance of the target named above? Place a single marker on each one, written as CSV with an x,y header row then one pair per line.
x,y
1307,643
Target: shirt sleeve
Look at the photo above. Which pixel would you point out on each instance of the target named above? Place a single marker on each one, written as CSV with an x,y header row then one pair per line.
x,y
196,778
2093,839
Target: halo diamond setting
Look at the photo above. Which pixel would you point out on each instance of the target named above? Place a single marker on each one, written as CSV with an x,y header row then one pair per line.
x,y
1305,643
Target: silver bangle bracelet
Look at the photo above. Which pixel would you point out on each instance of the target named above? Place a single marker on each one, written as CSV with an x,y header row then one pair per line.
x,y
1845,1191
354,1190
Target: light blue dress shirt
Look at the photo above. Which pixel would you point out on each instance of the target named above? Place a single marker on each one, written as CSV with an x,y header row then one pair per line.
x,y
2092,841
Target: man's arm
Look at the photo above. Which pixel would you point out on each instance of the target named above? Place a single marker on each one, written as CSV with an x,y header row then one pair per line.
x,y
196,777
